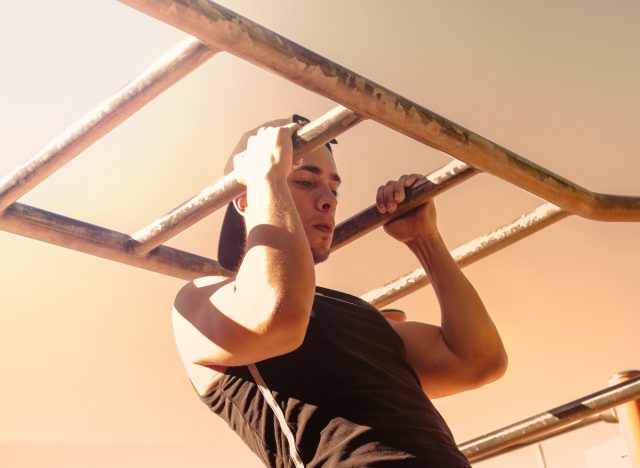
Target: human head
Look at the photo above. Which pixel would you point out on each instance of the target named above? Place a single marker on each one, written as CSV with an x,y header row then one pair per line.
x,y
314,171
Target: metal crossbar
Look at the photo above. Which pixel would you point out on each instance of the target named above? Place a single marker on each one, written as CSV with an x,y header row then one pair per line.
x,y
167,70
605,416
536,426
220,27
308,138
471,252
217,29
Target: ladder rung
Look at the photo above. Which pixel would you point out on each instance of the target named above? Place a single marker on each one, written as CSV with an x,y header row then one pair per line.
x,y
164,72
471,252
215,196
223,28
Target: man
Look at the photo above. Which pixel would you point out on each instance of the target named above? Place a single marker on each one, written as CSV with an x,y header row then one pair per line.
x,y
312,377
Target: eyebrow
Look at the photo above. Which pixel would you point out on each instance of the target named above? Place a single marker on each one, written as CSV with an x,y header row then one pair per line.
x,y
318,171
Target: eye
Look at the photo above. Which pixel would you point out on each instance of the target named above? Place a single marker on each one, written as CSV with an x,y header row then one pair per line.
x,y
304,183
335,193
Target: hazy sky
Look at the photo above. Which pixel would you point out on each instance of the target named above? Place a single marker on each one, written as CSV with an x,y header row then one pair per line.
x,y
86,350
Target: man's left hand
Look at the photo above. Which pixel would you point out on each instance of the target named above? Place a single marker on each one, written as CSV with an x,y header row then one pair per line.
x,y
417,223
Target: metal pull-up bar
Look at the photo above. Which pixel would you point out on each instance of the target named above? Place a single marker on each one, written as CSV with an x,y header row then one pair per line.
x,y
551,420
220,29
471,252
223,28
213,197
164,72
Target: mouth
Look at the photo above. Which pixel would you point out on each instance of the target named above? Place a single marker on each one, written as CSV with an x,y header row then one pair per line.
x,y
324,228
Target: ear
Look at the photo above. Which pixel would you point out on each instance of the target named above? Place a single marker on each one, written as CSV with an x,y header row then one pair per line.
x,y
240,204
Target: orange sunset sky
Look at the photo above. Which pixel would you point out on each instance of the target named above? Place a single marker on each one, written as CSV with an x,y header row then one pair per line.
x,y
89,372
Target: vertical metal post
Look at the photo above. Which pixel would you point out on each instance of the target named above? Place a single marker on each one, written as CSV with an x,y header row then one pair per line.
x,y
629,418
542,461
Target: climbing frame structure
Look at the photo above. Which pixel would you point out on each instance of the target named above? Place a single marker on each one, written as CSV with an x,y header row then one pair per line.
x,y
216,29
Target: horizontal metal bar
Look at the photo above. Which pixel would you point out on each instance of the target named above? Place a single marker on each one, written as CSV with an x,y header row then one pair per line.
x,y
557,417
66,232
311,136
223,28
429,186
470,252
605,416
164,72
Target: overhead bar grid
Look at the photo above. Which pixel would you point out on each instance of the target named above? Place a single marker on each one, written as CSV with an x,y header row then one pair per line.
x,y
217,29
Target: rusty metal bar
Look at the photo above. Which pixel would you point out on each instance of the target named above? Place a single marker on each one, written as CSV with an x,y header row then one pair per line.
x,y
554,418
167,70
217,195
605,416
629,417
470,252
66,232
223,28
429,186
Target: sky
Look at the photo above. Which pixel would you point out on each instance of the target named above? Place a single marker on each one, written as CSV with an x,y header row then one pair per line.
x,y
90,374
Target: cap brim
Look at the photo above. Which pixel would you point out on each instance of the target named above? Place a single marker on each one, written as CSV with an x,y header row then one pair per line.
x,y
232,239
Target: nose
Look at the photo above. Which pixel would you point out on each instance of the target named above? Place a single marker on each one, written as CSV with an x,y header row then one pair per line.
x,y
327,200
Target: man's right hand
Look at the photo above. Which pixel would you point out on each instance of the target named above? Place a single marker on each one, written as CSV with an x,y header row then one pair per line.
x,y
264,311
269,155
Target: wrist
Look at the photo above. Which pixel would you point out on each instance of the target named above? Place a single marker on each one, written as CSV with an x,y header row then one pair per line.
x,y
267,183
425,243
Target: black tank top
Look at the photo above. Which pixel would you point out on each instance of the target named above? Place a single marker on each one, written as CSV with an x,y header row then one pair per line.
x,y
348,395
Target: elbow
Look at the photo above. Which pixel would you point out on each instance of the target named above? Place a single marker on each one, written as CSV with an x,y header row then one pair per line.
x,y
280,331
288,328
288,340
492,368
245,346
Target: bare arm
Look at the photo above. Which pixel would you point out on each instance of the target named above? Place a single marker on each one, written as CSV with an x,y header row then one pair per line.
x,y
466,350
264,312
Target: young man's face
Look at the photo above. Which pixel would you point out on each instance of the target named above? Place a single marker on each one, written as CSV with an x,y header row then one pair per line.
x,y
314,186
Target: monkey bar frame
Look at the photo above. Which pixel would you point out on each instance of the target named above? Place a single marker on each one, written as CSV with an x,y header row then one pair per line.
x,y
216,29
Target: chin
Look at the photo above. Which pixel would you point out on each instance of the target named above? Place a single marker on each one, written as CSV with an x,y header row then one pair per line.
x,y
320,256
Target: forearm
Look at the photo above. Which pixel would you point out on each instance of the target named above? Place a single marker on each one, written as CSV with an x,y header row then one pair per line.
x,y
276,280
466,327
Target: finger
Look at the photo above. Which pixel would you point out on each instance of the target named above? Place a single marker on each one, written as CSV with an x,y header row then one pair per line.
x,y
412,179
389,198
237,168
399,193
380,200
292,126
287,132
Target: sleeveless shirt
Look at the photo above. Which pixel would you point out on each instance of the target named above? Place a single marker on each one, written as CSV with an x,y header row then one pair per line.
x,y
348,395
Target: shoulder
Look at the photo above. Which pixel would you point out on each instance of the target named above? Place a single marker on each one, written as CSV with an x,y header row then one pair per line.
x,y
198,309
190,328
